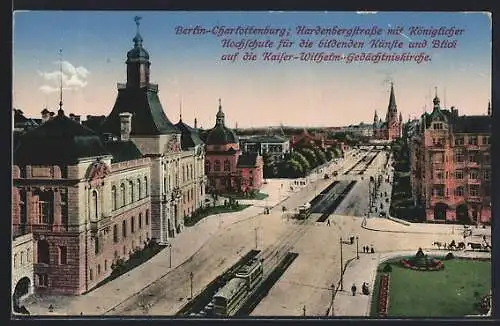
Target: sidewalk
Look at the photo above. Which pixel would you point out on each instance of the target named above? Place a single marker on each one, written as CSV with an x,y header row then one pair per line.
x,y
364,269
184,246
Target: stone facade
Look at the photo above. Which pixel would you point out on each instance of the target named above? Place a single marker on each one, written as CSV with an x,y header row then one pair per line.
x,y
22,280
74,213
451,166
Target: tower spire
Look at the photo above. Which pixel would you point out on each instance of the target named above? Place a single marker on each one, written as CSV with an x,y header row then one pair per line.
x,y
220,115
180,109
60,112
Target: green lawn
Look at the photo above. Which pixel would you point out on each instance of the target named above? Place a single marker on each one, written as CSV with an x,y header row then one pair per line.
x,y
452,292
212,211
257,196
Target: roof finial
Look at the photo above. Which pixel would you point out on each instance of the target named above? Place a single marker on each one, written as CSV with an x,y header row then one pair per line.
x,y
137,20
138,38
60,112
220,104
180,109
435,91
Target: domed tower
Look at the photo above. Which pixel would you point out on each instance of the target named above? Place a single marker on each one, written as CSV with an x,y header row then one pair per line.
x,y
138,65
220,134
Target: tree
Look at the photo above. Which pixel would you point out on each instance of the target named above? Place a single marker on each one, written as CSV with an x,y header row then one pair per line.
x,y
329,154
297,156
320,155
310,156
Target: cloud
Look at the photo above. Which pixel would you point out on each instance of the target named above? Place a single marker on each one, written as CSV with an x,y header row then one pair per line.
x,y
73,78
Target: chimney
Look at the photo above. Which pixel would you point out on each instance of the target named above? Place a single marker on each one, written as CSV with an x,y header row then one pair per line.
x,y
125,125
195,123
45,115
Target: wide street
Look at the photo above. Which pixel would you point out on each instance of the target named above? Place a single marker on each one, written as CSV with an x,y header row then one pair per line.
x,y
217,242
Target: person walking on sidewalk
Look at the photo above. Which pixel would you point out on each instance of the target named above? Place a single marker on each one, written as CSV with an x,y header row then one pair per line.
x,y
328,222
353,289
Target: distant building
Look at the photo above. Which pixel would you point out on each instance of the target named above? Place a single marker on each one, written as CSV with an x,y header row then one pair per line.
x,y
270,144
450,157
226,169
86,203
391,128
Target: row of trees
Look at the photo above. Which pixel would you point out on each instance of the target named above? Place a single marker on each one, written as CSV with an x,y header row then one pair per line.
x,y
299,162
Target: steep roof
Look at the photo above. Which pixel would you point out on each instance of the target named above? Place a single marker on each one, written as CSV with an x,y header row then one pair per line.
x,y
59,140
148,117
247,160
122,151
221,135
189,136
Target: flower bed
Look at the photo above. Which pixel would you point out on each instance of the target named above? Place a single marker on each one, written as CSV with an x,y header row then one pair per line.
x,y
383,296
435,265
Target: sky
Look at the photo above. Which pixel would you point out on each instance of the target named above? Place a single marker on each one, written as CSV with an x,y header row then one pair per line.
x,y
192,76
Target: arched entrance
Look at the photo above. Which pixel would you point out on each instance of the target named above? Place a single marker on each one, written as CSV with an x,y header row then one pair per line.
x,y
462,213
21,290
440,211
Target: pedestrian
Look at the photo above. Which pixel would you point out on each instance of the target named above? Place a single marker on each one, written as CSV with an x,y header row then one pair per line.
x,y
364,249
353,289
372,250
328,222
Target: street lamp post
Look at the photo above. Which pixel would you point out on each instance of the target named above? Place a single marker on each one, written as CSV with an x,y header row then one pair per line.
x,y
256,239
191,278
357,247
341,268
304,310
170,255
333,296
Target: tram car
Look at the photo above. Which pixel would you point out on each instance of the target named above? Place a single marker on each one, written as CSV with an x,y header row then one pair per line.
x,y
228,299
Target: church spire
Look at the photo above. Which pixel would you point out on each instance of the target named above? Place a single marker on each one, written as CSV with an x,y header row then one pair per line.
x,y
436,100
375,117
392,99
60,112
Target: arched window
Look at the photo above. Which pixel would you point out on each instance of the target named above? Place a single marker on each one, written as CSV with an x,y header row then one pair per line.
x,y
191,169
145,186
147,216
139,190
140,220
183,174
28,255
132,224
113,198
15,260
22,258
115,233
124,229
131,186
207,166
217,166
43,251
122,194
226,165
94,205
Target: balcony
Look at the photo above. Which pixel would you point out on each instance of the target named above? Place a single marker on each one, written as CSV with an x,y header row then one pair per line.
x,y
472,165
473,181
475,199
459,165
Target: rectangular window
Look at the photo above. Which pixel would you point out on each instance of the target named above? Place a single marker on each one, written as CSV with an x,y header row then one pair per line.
x,y
97,245
459,174
459,140
43,280
472,140
459,156
474,191
439,175
473,157
486,175
63,255
473,174
438,190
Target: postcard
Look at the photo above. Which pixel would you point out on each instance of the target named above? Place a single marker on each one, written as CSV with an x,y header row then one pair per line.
x,y
251,164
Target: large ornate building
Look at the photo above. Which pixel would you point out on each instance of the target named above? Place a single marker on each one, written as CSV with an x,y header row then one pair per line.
x,y
451,167
391,128
86,203
177,171
227,169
